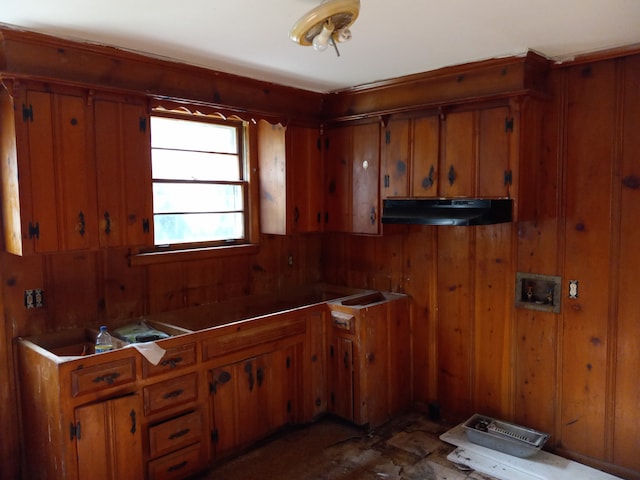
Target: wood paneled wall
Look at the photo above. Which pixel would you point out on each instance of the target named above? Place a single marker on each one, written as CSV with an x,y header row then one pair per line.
x,y
573,374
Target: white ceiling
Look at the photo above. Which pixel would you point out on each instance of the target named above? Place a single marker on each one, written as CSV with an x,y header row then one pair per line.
x,y
391,38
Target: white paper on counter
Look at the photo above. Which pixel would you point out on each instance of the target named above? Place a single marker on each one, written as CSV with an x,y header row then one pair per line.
x,y
149,350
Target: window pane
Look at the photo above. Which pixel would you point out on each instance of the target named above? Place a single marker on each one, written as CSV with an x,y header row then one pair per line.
x,y
181,165
198,197
192,135
197,227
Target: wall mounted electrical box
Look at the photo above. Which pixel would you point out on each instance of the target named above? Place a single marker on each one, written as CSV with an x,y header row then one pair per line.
x,y
538,292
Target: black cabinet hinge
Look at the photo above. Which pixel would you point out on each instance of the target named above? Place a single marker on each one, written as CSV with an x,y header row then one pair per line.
x,y
142,125
387,137
215,436
145,225
319,144
74,431
288,362
508,124
34,230
27,113
508,177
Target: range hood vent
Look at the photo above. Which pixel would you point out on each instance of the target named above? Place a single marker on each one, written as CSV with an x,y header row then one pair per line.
x,y
443,211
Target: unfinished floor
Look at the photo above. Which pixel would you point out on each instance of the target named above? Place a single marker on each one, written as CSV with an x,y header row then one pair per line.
x,y
407,448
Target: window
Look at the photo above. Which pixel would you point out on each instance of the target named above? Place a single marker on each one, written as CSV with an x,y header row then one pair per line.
x,y
200,186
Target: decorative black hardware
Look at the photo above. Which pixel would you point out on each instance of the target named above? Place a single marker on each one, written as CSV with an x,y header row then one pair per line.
x,y
132,414
296,214
387,137
248,369
331,351
346,359
319,143
74,121
74,431
27,113
452,175
177,466
387,181
81,224
215,436
173,394
508,177
427,182
172,362
319,217
288,362
109,378
107,226
145,225
372,215
508,124
179,434
259,375
142,124
34,230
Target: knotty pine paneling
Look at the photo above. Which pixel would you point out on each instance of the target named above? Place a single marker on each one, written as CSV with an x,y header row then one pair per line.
x,y
590,124
626,439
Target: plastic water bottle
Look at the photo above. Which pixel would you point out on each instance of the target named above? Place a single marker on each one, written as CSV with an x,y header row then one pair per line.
x,y
104,343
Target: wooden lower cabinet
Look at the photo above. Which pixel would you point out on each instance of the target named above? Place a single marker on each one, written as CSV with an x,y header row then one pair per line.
x,y
252,398
108,439
369,358
114,415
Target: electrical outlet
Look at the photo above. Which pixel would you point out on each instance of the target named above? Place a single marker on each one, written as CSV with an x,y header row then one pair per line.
x,y
34,298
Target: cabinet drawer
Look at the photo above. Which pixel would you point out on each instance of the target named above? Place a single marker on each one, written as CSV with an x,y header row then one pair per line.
x,y
179,464
175,357
170,393
104,375
174,434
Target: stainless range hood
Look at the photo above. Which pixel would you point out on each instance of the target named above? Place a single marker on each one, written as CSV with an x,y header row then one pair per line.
x,y
443,211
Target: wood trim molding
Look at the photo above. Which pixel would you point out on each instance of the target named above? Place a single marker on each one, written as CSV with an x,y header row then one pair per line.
x,y
30,55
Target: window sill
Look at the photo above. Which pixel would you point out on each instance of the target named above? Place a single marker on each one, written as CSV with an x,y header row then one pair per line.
x,y
168,256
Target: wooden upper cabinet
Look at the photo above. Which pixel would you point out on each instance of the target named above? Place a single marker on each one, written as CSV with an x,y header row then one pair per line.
x,y
425,166
78,174
338,179
49,197
123,160
304,155
475,158
290,179
352,162
365,180
395,152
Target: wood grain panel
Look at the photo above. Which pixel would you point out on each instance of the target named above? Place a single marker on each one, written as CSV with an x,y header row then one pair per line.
x,y
425,165
458,167
493,326
626,443
455,324
590,136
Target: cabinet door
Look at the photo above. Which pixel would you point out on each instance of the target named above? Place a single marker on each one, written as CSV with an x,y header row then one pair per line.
x,y
424,157
366,170
394,159
304,163
61,190
457,166
338,180
224,408
109,440
123,156
341,377
273,178
495,127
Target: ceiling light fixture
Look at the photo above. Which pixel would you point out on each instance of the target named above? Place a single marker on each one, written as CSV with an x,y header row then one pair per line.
x,y
327,24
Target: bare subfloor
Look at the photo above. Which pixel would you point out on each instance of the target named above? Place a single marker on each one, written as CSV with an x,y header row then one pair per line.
x,y
407,448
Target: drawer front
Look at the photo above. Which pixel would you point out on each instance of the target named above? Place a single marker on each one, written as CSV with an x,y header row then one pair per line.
x,y
105,375
170,393
179,464
343,321
174,358
175,434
